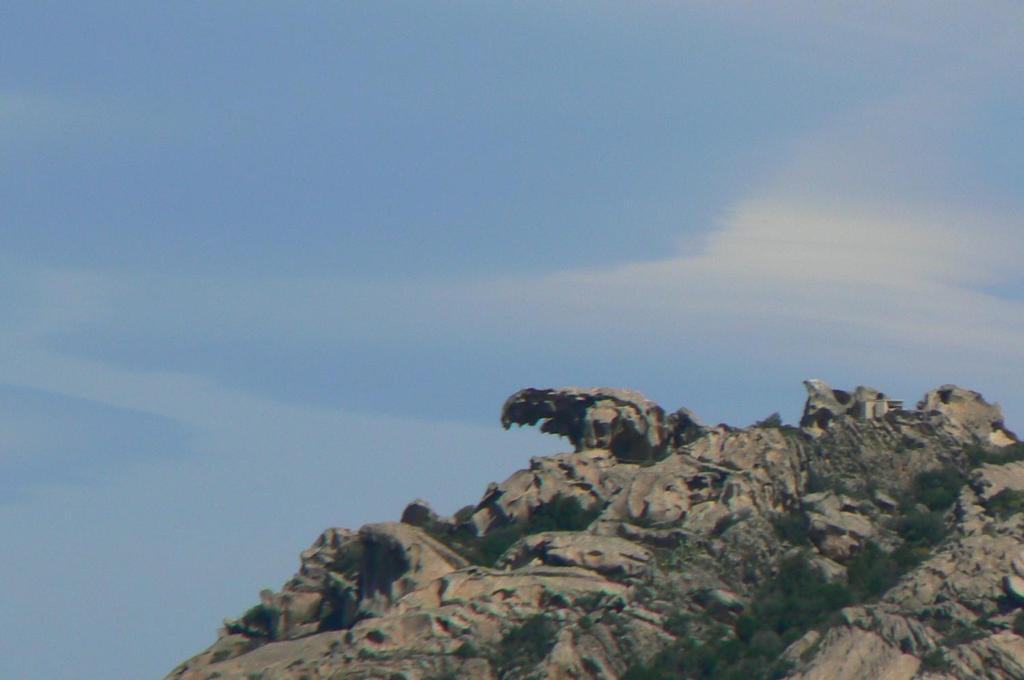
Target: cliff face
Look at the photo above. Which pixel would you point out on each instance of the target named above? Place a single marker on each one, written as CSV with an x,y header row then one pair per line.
x,y
871,542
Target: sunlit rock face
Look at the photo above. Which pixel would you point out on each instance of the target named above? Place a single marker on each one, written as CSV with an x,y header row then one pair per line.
x,y
658,540
968,415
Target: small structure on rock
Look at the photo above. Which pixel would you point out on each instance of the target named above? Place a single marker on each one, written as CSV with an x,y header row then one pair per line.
x,y
877,408
824,404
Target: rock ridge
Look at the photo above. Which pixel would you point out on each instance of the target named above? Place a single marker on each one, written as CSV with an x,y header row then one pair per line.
x,y
871,541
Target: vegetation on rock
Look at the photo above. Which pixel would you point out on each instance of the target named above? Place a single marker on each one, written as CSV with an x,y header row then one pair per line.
x,y
563,513
736,553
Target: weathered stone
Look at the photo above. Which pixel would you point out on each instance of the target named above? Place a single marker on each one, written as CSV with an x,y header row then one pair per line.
x,y
622,421
885,501
590,477
1018,564
837,533
398,559
1014,587
607,555
420,514
990,480
684,427
688,525
824,404
968,415
854,654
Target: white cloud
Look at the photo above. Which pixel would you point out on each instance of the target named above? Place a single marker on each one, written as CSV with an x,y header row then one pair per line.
x,y
892,276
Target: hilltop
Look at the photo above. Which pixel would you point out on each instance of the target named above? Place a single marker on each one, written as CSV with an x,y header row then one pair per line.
x,y
872,540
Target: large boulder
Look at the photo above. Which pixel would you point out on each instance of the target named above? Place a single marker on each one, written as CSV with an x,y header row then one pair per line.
x,y
969,416
397,559
837,527
622,421
589,477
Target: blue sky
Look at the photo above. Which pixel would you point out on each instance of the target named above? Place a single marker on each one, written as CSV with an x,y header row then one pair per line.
x,y
268,268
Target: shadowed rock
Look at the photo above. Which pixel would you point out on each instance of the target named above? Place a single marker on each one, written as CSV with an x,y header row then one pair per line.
x,y
622,421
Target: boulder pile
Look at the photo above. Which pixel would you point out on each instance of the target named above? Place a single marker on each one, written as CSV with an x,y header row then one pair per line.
x,y
871,541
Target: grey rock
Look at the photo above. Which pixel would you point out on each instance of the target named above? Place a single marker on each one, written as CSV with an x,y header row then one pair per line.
x,y
968,416
607,555
622,421
687,526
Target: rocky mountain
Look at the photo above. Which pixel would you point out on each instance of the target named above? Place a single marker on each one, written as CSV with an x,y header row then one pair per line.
x,y
872,541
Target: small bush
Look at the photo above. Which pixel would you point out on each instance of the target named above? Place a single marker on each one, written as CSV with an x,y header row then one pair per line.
x,y
677,623
938,489
793,527
797,599
772,421
977,456
561,514
464,514
467,650
955,633
1006,503
872,572
259,622
934,660
921,529
526,644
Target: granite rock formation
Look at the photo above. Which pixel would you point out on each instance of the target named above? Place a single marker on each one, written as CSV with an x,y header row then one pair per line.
x,y
872,541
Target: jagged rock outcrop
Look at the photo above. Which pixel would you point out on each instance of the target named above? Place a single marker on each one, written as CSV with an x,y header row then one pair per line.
x,y
837,525
591,477
398,559
663,546
824,404
622,421
967,414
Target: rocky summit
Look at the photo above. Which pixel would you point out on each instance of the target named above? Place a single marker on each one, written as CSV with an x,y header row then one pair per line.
x,y
874,540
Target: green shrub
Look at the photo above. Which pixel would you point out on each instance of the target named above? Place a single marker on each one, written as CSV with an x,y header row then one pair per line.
x,y
259,622
527,644
872,572
1006,503
934,660
793,527
677,623
467,650
921,529
798,598
977,456
561,514
773,421
786,607
938,489
956,633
